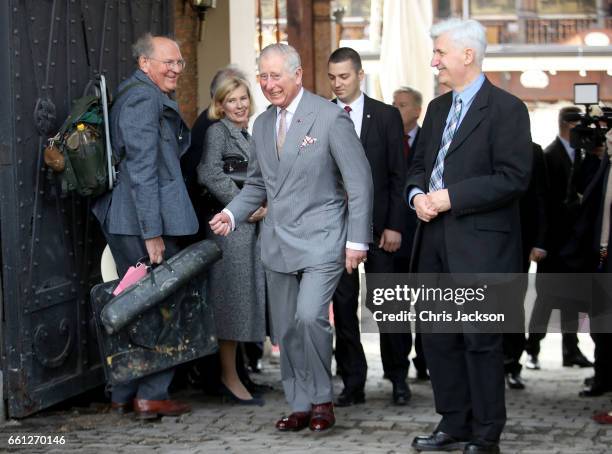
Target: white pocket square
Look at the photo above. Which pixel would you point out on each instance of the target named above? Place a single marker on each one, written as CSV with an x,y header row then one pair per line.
x,y
308,141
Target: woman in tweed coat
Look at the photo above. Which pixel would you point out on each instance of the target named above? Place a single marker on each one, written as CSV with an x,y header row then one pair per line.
x,y
236,282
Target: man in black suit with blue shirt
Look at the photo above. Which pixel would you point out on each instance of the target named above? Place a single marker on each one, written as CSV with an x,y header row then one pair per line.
x,y
472,165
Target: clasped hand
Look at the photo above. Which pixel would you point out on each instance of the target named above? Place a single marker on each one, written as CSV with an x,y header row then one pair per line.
x,y
428,206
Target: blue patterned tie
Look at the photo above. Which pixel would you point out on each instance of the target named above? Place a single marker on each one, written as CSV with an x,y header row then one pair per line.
x,y
436,182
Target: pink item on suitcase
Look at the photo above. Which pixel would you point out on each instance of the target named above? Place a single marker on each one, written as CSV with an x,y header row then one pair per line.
x,y
132,275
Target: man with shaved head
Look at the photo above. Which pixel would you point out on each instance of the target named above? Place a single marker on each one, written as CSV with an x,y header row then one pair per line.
x,y
149,206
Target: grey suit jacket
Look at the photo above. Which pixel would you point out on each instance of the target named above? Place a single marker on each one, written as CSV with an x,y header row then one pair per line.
x,y
149,136
319,194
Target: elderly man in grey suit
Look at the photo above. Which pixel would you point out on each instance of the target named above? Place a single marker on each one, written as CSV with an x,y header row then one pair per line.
x,y
149,207
308,163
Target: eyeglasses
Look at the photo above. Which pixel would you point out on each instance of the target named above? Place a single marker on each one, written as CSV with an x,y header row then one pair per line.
x,y
171,64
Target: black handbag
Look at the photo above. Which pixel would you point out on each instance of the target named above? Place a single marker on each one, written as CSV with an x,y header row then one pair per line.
x,y
235,167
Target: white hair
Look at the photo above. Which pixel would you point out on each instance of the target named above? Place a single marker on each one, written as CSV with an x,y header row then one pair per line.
x,y
467,33
289,54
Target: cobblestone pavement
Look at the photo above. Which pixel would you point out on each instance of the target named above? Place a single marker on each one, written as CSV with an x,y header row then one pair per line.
x,y
548,417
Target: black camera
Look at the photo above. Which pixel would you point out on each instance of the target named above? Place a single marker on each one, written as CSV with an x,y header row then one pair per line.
x,y
590,132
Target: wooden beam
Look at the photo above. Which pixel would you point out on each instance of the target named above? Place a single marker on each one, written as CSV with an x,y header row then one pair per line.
x,y
309,30
300,28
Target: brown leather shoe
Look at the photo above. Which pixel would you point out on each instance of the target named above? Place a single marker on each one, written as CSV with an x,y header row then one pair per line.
x,y
322,417
151,409
121,408
295,421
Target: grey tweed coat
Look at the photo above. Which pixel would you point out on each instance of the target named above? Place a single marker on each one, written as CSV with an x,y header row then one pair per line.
x,y
237,281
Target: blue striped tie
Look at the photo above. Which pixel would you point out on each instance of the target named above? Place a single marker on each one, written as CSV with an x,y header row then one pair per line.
x,y
436,181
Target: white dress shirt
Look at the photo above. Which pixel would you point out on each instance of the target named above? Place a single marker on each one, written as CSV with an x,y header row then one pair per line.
x,y
356,112
356,115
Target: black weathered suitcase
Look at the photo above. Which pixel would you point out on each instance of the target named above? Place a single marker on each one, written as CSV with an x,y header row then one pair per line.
x,y
159,284
160,332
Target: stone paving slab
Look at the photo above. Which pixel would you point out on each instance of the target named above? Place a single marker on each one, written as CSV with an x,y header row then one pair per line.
x,y
546,418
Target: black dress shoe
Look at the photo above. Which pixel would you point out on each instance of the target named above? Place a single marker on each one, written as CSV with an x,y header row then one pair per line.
x,y
348,398
437,441
481,448
401,393
596,389
577,359
515,381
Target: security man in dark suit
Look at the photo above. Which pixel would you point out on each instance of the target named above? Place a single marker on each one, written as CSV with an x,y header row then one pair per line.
x,y
534,227
471,167
562,197
409,102
379,127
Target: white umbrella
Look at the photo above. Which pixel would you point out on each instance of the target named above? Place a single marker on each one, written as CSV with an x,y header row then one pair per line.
x,y
406,48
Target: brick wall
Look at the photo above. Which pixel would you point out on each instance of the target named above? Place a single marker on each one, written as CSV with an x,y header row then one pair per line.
x,y
186,24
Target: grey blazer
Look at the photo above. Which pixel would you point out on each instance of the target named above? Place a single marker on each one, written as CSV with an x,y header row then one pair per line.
x,y
319,194
149,135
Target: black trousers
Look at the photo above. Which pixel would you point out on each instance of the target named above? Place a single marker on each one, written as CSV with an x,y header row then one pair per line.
x,y
350,358
514,343
466,370
543,306
601,324
402,265
127,250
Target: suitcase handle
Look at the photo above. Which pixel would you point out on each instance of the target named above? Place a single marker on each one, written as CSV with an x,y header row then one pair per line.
x,y
165,265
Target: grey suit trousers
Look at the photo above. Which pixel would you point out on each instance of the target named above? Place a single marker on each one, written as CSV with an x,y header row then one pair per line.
x,y
299,312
